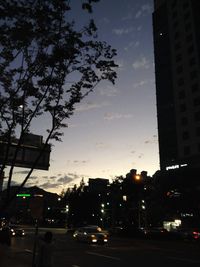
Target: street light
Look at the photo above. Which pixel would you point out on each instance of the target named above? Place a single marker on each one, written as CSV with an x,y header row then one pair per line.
x,y
137,177
103,213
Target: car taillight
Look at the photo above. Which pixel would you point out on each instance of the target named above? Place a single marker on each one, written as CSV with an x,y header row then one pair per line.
x,y
196,234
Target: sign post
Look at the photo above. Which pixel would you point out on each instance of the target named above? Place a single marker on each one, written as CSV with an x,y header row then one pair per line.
x,y
36,207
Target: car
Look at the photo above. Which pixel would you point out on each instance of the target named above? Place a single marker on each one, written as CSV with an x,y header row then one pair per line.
x,y
132,231
156,233
9,230
19,232
189,233
91,234
116,230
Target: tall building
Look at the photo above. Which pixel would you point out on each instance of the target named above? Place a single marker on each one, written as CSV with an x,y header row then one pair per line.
x,y
177,70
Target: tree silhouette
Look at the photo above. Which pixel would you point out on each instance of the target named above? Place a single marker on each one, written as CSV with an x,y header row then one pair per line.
x,y
47,65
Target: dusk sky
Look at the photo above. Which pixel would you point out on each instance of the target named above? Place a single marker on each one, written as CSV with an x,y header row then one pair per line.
x,y
115,128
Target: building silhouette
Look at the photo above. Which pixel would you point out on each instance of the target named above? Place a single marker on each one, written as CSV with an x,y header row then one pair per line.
x,y
177,71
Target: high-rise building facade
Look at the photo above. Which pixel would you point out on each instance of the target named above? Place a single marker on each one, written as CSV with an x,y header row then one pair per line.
x,y
176,29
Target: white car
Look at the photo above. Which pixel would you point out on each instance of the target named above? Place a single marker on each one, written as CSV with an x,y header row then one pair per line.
x,y
91,234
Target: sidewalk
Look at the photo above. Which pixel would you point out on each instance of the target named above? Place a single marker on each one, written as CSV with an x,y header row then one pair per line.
x,y
18,258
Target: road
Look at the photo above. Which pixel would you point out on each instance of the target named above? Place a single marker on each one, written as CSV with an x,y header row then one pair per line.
x,y
119,252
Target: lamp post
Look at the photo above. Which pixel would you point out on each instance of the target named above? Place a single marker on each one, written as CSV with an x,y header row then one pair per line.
x,y
102,212
137,179
67,214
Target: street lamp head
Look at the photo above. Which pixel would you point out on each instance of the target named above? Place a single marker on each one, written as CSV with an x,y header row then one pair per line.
x,y
137,177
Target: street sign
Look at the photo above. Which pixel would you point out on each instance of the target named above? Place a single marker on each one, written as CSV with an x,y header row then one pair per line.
x,y
28,153
23,195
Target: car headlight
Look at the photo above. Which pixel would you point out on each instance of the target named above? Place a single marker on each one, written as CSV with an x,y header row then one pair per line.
x,y
94,238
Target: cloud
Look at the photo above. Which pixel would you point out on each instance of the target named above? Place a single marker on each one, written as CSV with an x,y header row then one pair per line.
x,y
120,63
141,63
90,105
132,45
108,91
21,172
138,14
139,28
31,183
102,145
53,177
144,10
153,140
141,156
127,17
143,82
122,31
77,161
48,185
104,20
33,177
80,161
73,125
139,84
65,180
116,116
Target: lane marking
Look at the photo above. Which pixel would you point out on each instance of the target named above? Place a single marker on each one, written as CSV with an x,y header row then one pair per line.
x,y
102,255
75,266
184,259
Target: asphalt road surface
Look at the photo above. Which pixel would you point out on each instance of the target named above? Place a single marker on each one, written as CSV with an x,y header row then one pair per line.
x,y
119,252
